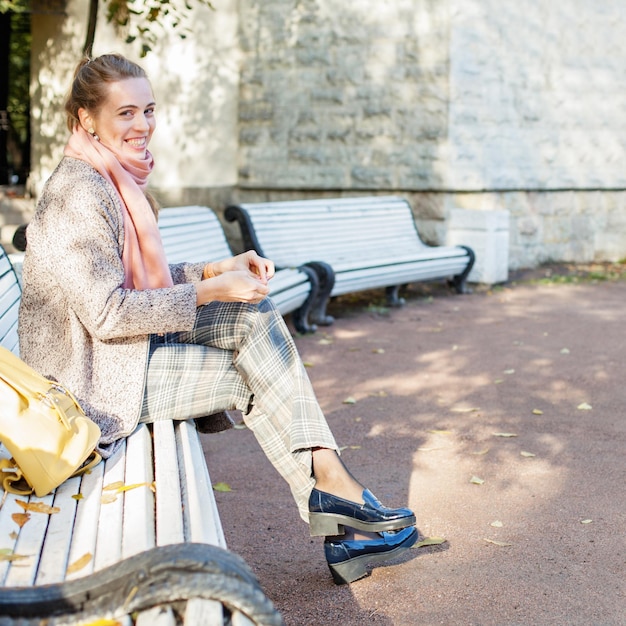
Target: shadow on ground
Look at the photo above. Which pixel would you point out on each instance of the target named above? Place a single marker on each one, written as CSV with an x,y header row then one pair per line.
x,y
498,417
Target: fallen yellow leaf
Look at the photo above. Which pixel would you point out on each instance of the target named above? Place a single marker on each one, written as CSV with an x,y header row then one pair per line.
x,y
325,342
498,381
378,351
20,518
537,412
440,432
497,524
528,455
502,544
465,410
504,435
7,554
481,452
113,486
38,507
103,622
78,496
349,400
430,541
307,363
584,407
134,486
475,480
586,521
222,487
78,564
509,372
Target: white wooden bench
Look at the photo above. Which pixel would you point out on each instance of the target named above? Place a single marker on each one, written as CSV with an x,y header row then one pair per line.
x,y
354,244
140,535
195,234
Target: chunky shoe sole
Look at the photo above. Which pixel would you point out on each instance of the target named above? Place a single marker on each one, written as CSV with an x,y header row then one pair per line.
x,y
330,524
356,568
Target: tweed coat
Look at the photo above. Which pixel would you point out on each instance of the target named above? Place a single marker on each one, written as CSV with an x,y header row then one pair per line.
x,y
77,324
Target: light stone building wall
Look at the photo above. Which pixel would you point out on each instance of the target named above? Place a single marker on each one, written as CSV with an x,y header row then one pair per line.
x,y
482,104
477,104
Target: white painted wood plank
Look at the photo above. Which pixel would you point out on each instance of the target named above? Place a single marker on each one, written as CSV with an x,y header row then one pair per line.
x,y
202,519
239,619
157,616
29,542
109,537
201,612
56,548
169,515
138,533
8,530
85,526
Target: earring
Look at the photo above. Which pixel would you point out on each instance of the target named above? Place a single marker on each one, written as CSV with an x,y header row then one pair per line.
x,y
92,132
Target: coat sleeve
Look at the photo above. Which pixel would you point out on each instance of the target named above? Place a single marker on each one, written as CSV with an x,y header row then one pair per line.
x,y
76,243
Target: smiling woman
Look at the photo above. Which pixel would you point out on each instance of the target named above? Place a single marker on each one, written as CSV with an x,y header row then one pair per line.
x,y
138,340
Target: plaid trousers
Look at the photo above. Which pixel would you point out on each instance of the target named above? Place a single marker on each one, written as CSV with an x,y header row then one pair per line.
x,y
242,356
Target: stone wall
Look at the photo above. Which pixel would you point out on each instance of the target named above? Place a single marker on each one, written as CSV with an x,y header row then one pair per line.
x,y
483,104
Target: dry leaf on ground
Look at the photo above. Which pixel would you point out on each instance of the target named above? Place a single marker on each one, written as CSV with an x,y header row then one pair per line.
x,y
583,406
502,544
430,541
475,480
504,435
528,455
349,400
222,487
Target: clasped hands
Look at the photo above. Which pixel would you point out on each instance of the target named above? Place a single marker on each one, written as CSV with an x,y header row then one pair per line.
x,y
242,278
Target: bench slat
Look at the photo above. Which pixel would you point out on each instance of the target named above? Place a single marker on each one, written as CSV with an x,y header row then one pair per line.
x,y
54,556
85,531
109,538
169,527
138,533
8,530
202,523
29,542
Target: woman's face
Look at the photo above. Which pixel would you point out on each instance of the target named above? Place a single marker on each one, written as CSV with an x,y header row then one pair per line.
x,y
126,120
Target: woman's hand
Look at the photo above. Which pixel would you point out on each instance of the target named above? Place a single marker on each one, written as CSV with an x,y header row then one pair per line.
x,y
242,278
250,260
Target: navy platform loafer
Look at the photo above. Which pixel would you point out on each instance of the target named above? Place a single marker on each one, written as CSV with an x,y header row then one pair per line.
x,y
348,558
328,514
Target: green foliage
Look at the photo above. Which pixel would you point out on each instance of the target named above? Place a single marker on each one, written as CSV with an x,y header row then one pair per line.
x,y
16,6
141,21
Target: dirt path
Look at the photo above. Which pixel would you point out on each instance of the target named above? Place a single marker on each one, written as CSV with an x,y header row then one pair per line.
x,y
436,386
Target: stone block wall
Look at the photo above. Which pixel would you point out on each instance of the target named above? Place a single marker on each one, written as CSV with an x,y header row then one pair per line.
x,y
482,104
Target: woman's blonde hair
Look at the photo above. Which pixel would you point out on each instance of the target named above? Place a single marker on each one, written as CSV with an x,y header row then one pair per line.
x,y
89,87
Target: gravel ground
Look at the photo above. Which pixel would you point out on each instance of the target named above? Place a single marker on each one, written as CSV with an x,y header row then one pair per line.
x,y
497,416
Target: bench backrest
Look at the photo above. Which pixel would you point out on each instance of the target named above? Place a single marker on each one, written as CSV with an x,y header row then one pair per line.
x,y
334,230
10,293
193,234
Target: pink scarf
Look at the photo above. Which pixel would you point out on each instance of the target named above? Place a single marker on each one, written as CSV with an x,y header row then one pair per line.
x,y
145,266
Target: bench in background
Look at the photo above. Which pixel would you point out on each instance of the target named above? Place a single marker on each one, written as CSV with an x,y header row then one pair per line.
x,y
139,534
354,244
194,234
